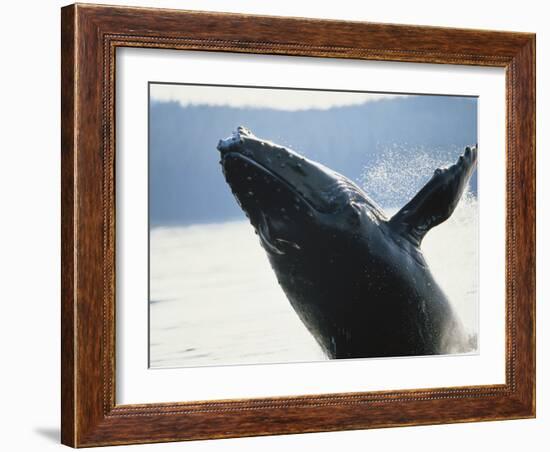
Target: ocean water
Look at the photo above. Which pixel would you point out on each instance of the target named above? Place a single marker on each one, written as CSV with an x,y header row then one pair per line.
x,y
214,299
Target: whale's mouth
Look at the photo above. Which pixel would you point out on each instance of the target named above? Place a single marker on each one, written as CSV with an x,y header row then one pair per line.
x,y
250,162
273,205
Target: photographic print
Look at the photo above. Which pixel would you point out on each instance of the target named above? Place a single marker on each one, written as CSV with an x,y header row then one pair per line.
x,y
288,223
294,225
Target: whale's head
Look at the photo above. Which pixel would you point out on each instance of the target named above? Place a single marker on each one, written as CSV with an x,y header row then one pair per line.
x,y
293,202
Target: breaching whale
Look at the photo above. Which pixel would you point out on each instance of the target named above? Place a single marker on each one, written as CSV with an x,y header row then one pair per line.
x,y
356,278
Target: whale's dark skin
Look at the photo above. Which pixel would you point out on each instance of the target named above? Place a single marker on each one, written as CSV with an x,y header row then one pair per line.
x,y
357,280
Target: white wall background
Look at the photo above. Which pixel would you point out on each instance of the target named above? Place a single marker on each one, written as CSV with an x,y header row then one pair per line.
x,y
29,228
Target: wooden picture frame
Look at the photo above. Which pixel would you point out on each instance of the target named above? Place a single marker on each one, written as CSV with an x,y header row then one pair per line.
x,y
90,36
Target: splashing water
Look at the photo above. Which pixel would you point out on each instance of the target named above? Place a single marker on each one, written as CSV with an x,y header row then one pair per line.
x,y
452,252
400,171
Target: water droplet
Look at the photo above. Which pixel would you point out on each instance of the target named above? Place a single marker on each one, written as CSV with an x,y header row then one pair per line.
x,y
250,193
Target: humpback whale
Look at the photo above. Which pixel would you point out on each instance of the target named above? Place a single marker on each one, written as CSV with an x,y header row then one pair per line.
x,y
357,279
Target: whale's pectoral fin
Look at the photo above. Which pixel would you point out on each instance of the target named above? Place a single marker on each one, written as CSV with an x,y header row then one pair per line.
x,y
437,200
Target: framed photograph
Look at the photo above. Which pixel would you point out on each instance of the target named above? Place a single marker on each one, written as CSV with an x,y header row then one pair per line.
x,y
282,225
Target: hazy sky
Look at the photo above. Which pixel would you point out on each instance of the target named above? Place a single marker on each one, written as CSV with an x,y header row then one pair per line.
x,y
279,99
